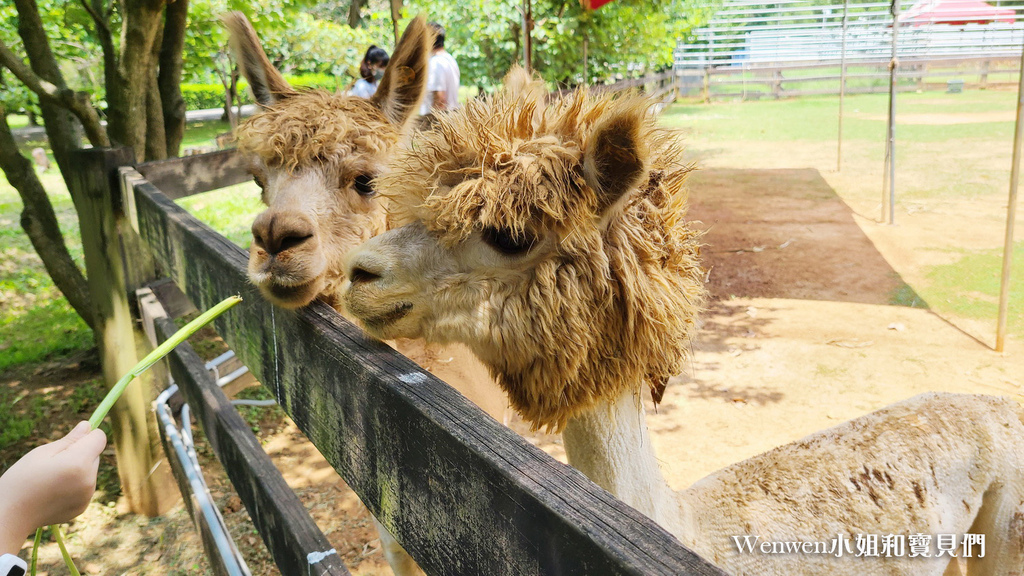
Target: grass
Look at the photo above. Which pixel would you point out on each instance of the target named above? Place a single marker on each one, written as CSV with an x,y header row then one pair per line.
x,y
18,419
230,211
970,286
814,119
36,322
203,133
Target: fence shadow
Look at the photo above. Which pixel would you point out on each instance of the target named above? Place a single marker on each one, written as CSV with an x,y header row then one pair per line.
x,y
785,233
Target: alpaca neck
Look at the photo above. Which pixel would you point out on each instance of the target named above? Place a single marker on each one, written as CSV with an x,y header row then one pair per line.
x,y
610,444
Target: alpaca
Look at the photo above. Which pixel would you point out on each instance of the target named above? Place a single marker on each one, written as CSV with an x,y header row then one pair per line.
x,y
315,155
551,239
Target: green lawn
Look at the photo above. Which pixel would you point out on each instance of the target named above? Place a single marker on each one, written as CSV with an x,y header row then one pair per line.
x,y
814,119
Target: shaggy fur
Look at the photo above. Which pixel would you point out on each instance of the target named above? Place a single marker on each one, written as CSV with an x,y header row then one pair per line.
x,y
314,153
316,128
613,302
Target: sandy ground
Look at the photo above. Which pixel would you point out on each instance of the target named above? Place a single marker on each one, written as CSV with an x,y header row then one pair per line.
x,y
799,335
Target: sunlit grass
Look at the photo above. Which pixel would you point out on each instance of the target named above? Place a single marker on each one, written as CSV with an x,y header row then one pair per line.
x,y
970,286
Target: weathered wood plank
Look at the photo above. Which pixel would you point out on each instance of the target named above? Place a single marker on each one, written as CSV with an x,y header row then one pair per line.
x,y
188,175
221,555
464,494
173,300
282,521
147,486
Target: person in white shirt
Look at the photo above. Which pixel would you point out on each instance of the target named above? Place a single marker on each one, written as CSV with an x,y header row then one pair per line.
x,y
442,78
372,70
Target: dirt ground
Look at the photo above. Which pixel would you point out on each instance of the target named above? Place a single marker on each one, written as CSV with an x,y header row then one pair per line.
x,y
799,335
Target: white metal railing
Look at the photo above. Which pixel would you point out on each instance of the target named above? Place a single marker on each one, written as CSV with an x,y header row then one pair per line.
x,y
744,32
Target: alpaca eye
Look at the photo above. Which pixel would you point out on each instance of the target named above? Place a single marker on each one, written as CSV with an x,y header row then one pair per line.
x,y
364,185
259,181
508,242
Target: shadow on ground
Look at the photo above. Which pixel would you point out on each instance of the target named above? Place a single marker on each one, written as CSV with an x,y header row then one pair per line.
x,y
785,234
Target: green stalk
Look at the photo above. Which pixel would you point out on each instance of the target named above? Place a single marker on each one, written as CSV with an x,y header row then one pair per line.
x,y
155,356
64,551
35,551
115,393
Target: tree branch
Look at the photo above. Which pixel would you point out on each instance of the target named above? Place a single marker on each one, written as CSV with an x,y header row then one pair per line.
x,y
40,224
77,102
101,20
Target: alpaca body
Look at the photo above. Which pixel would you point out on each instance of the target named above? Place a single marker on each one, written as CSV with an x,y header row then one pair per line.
x,y
949,464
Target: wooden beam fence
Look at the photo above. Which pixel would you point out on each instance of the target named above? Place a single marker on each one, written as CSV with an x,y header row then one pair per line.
x,y
462,493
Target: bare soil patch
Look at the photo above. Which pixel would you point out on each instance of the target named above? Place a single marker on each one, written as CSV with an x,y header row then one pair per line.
x,y
784,233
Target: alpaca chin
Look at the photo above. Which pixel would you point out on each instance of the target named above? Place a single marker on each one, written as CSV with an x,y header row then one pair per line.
x,y
294,296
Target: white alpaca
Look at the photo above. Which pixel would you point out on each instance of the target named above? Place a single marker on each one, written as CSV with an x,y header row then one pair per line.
x,y
549,238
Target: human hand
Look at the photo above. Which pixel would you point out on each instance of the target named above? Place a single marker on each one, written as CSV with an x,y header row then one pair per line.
x,y
52,484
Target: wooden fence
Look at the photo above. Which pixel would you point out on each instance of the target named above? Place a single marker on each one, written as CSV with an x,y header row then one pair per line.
x,y
756,81
462,493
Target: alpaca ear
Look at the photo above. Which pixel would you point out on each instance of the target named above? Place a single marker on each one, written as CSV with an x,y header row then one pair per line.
x,y
519,82
615,160
405,80
267,84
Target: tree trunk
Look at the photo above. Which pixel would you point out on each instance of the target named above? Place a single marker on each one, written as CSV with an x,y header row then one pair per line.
x,y
396,15
156,136
354,17
61,129
40,224
127,94
169,80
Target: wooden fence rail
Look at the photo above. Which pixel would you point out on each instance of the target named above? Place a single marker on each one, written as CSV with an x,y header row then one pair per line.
x,y
463,494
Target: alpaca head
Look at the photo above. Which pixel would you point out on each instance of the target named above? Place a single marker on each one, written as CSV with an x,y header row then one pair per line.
x,y
549,238
316,154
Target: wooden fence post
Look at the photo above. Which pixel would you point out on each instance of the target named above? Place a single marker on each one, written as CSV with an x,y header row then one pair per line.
x,y
777,83
145,480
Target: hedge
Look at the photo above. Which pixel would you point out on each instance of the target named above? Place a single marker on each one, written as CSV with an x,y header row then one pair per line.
x,y
202,96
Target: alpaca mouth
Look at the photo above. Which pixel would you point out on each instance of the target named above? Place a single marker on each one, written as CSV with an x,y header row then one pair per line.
x,y
292,295
394,315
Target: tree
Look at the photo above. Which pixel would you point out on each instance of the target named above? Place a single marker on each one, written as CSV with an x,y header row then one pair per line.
x,y
625,38
142,67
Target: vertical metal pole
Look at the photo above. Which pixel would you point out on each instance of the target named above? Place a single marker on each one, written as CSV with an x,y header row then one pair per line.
x,y
527,36
842,89
1011,216
893,66
586,44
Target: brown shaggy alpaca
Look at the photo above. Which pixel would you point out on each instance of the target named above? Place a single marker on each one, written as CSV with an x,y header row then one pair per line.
x,y
315,154
550,239
612,282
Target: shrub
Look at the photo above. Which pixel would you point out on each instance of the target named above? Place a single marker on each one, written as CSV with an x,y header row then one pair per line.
x,y
202,96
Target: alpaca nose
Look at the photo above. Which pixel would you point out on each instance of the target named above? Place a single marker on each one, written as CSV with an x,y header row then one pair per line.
x,y
277,232
364,270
